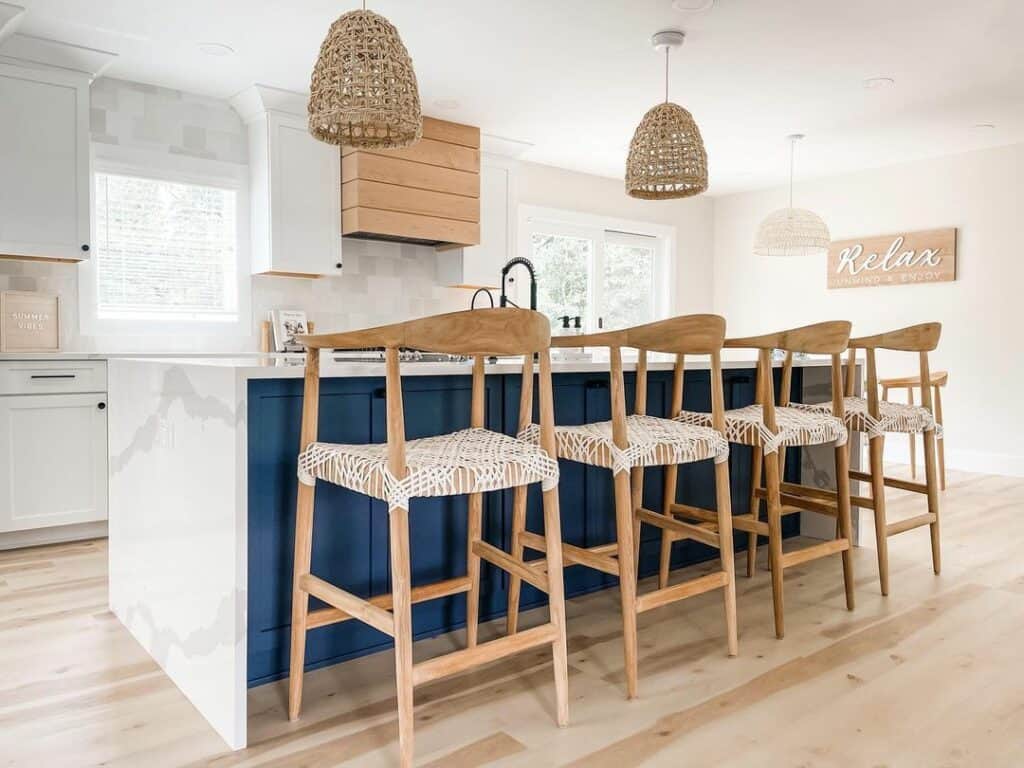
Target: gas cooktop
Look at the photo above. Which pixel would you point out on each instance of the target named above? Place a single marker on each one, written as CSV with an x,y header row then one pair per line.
x,y
404,356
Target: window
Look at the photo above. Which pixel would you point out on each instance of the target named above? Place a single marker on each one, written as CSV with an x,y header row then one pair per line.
x,y
168,251
602,270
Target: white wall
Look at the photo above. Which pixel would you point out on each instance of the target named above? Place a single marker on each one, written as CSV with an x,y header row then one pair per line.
x,y
980,193
543,185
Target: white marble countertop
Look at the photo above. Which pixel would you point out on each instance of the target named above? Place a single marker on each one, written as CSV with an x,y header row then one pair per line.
x,y
279,366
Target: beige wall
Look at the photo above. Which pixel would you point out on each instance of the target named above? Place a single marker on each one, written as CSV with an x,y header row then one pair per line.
x,y
544,185
981,194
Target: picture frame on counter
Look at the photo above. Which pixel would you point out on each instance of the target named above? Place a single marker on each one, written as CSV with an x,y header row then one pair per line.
x,y
29,322
287,324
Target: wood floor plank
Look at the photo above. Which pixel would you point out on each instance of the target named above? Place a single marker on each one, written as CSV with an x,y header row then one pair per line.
x,y
938,657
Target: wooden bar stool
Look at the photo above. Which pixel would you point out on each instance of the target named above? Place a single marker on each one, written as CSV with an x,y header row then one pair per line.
x,y
470,461
769,429
626,445
875,418
939,379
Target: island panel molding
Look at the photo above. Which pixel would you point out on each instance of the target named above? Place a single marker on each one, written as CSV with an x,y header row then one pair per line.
x,y
907,258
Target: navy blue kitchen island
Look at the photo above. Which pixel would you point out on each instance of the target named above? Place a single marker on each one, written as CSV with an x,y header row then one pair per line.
x,y
351,541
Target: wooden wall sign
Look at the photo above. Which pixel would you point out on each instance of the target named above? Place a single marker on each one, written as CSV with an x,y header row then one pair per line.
x,y
29,322
901,259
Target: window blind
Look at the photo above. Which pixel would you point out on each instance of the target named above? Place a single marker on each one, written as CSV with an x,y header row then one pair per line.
x,y
165,248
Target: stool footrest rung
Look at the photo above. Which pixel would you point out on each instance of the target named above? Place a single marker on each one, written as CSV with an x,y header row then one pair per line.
x,y
355,607
698,586
325,616
468,658
910,523
678,529
509,564
795,500
573,555
892,482
749,524
695,513
789,559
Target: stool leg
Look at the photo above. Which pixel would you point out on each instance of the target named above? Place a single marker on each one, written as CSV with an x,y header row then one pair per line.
x,y
300,598
843,518
668,498
875,447
514,582
556,602
755,509
771,469
473,568
636,492
401,589
940,444
913,439
624,517
725,552
932,483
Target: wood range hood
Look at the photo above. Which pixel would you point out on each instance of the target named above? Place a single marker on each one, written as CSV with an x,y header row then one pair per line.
x,y
427,194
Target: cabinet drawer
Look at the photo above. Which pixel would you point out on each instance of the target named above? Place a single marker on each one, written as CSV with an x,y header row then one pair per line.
x,y
41,377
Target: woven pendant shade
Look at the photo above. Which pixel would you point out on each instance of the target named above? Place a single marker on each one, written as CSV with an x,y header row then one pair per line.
x,y
667,158
363,91
792,232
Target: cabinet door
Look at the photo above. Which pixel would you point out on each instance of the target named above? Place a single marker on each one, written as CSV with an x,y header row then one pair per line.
x,y
480,265
44,164
53,460
305,199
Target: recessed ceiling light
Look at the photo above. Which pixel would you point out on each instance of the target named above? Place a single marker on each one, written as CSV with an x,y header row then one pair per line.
x,y
216,49
984,126
876,83
447,103
693,6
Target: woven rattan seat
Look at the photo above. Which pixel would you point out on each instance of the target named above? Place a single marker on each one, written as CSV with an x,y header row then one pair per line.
x,y
653,442
467,461
796,426
892,417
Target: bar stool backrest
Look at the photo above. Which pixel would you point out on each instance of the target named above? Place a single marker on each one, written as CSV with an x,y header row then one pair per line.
x,y
921,338
828,338
478,333
683,335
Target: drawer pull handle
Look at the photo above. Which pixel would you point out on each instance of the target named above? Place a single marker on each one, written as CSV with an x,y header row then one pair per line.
x,y
101,406
53,376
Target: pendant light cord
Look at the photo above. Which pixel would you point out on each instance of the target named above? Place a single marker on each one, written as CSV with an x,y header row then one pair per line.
x,y
667,48
792,151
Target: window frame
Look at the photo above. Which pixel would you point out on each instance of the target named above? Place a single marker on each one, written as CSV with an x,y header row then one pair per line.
x,y
601,229
180,169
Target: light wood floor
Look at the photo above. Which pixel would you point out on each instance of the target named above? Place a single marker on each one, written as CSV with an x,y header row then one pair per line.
x,y
931,676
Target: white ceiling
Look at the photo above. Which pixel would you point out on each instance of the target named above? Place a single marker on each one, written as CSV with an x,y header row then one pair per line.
x,y
574,77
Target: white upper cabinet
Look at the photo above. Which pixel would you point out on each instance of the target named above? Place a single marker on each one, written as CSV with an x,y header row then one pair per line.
x,y
45,188
295,185
479,266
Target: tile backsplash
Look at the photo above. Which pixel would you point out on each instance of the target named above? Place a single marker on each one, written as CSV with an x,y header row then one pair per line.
x,y
381,283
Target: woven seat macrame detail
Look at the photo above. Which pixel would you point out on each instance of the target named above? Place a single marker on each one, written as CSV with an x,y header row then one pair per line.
x,y
467,461
653,442
797,426
892,417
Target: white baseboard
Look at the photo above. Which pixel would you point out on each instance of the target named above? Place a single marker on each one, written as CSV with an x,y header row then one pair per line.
x,y
897,450
56,534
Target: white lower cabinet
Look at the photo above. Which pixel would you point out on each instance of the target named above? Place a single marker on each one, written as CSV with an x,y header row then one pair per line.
x,y
53,455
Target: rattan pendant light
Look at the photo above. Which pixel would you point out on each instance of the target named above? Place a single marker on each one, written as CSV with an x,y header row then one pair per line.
x,y
792,231
667,158
363,91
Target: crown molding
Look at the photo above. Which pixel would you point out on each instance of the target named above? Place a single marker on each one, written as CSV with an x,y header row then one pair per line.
x,y
30,49
258,99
